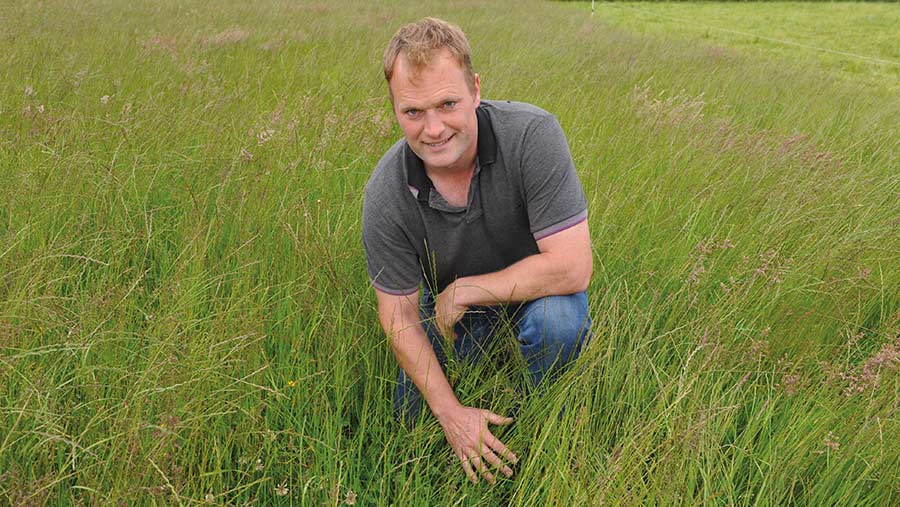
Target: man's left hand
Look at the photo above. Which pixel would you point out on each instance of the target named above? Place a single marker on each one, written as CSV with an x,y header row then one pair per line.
x,y
447,311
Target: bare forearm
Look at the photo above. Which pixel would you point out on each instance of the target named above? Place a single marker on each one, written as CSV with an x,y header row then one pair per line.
x,y
416,356
531,278
562,267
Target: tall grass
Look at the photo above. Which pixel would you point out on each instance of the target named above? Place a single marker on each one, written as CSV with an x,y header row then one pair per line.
x,y
185,316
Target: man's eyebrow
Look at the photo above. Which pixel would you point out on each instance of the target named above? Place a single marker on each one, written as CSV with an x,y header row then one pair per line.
x,y
438,103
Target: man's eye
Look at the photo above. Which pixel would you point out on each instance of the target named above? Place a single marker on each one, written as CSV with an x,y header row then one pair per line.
x,y
450,104
412,113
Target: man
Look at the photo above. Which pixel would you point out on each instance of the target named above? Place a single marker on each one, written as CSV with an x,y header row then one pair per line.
x,y
476,210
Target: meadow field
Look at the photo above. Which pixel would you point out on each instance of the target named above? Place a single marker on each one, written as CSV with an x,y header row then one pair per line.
x,y
185,316
854,41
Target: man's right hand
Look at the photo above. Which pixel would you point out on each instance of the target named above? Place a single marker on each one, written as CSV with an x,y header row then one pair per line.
x,y
466,429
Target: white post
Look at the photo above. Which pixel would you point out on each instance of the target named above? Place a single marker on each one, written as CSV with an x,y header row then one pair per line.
x,y
592,8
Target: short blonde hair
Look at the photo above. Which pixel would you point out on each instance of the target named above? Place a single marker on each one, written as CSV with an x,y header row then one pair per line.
x,y
421,40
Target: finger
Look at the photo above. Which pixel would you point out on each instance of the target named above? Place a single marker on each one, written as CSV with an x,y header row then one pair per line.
x,y
449,331
497,419
467,467
483,469
492,458
441,325
495,444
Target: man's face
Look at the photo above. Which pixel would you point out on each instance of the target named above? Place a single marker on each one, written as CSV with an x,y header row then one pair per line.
x,y
435,107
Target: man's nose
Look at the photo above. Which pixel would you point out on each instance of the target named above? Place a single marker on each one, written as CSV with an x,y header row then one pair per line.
x,y
434,126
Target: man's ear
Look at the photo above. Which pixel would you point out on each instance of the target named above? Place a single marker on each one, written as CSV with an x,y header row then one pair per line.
x,y
477,90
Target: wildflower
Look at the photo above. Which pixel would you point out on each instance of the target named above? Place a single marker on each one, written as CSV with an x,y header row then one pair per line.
x,y
263,136
272,44
334,494
281,489
275,116
759,349
29,91
869,376
210,498
40,109
243,460
831,442
789,383
104,99
79,77
259,466
728,286
350,499
246,156
227,37
292,383
156,490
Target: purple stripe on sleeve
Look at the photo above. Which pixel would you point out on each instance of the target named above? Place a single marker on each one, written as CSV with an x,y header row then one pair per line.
x,y
560,226
395,292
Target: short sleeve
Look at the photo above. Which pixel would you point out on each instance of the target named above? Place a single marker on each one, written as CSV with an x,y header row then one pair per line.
x,y
391,260
553,194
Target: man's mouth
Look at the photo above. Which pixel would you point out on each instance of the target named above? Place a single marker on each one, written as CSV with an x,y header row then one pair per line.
x,y
440,143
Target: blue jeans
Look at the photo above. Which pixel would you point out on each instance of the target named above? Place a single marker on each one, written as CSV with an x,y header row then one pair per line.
x,y
550,331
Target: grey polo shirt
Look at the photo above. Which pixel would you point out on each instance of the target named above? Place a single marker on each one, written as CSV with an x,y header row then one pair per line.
x,y
524,188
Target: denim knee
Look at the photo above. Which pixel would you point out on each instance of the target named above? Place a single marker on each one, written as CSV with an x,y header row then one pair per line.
x,y
562,319
551,331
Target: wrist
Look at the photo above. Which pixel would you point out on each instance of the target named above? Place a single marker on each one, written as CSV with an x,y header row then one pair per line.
x,y
442,409
461,292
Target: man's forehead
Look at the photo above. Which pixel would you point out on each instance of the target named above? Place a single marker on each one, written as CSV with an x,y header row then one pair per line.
x,y
442,76
411,69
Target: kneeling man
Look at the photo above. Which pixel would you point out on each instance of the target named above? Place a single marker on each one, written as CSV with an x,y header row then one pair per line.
x,y
478,207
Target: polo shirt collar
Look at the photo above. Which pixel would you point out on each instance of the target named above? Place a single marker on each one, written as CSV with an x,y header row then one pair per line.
x,y
419,182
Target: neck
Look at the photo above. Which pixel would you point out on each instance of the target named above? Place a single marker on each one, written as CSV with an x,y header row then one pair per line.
x,y
462,172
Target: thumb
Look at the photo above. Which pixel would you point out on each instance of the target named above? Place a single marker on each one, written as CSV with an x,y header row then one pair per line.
x,y
497,419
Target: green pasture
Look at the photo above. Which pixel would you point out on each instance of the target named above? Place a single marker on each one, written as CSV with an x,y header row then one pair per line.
x,y
185,317
853,40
